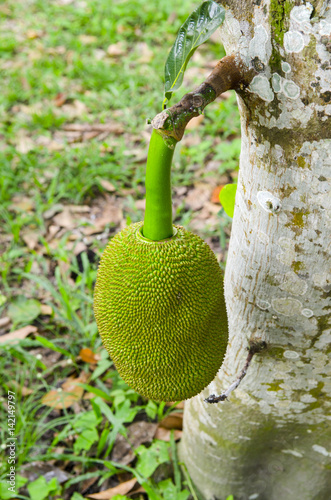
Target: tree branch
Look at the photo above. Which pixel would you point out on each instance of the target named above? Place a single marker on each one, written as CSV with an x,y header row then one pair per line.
x,y
253,349
229,73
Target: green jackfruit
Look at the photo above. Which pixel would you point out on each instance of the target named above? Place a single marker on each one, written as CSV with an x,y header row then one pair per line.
x,y
161,313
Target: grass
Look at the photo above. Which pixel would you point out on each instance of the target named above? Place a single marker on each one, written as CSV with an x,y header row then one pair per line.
x,y
81,64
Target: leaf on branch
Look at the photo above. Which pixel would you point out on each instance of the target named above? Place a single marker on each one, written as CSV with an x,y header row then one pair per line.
x,y
198,27
228,197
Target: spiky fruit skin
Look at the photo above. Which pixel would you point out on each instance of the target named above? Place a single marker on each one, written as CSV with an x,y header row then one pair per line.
x,y
161,313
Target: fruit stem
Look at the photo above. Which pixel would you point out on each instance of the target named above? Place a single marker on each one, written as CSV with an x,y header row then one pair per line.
x,y
158,212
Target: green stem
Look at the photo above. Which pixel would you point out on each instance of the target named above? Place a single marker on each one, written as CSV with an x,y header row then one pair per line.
x,y
158,213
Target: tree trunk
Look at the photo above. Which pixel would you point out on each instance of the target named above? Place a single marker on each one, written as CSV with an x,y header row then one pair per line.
x,y
272,441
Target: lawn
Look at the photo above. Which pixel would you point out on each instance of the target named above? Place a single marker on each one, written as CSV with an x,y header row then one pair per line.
x,y
79,81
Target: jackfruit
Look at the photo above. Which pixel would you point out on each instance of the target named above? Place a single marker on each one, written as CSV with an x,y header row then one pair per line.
x,y
161,314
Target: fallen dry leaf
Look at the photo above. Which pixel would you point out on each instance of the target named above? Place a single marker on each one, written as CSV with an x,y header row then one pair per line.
x,y
17,335
87,39
4,321
121,489
110,127
79,208
87,483
111,214
99,54
165,434
194,122
65,219
197,197
31,239
138,433
89,356
146,54
141,204
116,49
22,204
78,247
60,99
108,186
24,144
32,34
74,109
46,310
216,193
25,391
71,393
48,214
172,421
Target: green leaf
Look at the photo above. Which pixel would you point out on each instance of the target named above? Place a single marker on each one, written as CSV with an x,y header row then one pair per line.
x,y
77,496
85,440
24,311
40,489
150,458
96,391
102,366
151,409
227,198
198,27
6,493
170,492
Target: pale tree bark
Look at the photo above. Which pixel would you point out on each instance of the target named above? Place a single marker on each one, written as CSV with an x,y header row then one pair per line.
x,y
272,441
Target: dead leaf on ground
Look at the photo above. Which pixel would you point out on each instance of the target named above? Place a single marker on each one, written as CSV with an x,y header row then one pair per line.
x,y
52,231
138,433
31,239
195,122
197,197
22,204
46,310
172,421
146,54
67,219
25,391
87,39
48,214
165,434
216,193
116,49
24,144
4,322
87,483
99,54
17,335
60,99
89,356
34,470
33,34
121,489
79,208
110,127
108,186
111,214
74,109
71,393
